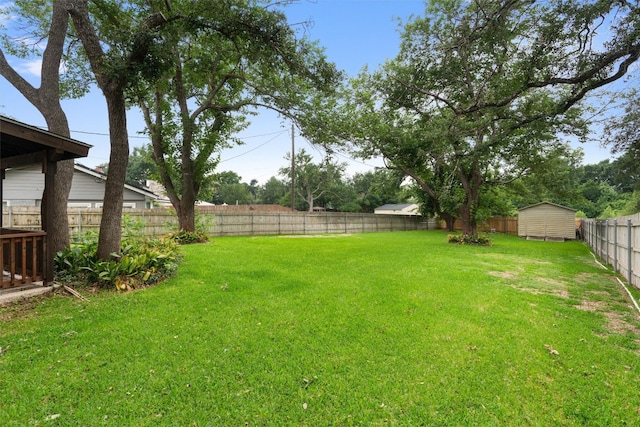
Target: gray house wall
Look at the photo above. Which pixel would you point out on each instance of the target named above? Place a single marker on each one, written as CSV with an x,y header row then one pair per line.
x,y
24,186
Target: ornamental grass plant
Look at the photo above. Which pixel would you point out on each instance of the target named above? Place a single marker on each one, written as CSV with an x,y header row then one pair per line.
x,y
371,329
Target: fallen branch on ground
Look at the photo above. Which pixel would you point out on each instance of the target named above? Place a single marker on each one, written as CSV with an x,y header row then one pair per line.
x,y
74,293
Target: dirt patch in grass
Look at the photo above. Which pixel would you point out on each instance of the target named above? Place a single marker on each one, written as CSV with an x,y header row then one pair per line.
x,y
601,301
592,306
616,322
541,285
562,293
587,278
22,309
504,274
518,260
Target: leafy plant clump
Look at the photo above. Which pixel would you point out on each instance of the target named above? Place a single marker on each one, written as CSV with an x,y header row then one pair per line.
x,y
467,239
141,261
183,237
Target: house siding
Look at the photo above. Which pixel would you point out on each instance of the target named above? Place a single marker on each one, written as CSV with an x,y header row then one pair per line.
x,y
24,187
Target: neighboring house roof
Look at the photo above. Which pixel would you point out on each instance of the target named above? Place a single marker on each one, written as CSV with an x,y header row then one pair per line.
x,y
144,191
398,209
547,203
161,193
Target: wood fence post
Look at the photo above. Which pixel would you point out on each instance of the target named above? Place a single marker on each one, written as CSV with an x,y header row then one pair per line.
x,y
606,224
615,245
630,252
345,223
595,237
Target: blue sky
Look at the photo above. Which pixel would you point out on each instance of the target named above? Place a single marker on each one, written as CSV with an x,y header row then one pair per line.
x,y
355,33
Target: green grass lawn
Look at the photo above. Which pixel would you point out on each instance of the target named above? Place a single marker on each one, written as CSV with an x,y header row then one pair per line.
x,y
369,329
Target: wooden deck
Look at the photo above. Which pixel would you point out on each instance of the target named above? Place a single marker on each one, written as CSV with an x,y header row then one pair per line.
x,y
23,256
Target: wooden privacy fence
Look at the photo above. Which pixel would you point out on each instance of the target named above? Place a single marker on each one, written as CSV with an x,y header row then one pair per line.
x,y
497,224
231,223
617,242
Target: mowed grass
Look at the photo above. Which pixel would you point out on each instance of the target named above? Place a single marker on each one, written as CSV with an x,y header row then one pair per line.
x,y
369,329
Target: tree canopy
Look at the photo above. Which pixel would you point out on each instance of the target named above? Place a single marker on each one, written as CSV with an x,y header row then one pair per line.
x,y
223,60
483,92
312,180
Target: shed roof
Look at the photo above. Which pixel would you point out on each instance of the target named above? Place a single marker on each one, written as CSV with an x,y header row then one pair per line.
x,y
547,203
23,144
395,207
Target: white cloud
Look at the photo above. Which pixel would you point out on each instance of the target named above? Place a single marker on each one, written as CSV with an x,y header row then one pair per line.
x,y
31,67
6,17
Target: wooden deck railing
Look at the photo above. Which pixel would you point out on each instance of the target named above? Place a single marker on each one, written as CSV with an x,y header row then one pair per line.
x,y
22,253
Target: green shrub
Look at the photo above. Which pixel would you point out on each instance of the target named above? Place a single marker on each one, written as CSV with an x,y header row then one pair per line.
x,y
183,237
467,239
141,262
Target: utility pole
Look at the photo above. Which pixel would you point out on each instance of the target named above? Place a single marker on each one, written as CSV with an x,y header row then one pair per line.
x,y
293,170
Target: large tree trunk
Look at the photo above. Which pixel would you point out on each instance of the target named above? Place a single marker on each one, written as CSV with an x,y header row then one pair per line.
x,y
467,216
467,211
111,224
112,86
58,236
46,99
187,216
310,199
449,220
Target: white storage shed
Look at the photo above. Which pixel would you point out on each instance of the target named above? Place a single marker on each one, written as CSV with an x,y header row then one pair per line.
x,y
547,221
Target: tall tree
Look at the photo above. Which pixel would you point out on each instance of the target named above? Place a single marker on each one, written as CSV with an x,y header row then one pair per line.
x,y
622,131
226,58
378,187
272,191
140,167
122,45
312,180
481,91
48,23
229,189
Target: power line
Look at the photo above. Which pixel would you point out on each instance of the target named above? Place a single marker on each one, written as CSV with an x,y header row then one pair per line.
x,y
106,134
254,148
280,132
354,160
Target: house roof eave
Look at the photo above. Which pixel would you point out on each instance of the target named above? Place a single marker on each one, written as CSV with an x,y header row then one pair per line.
x,y
24,144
